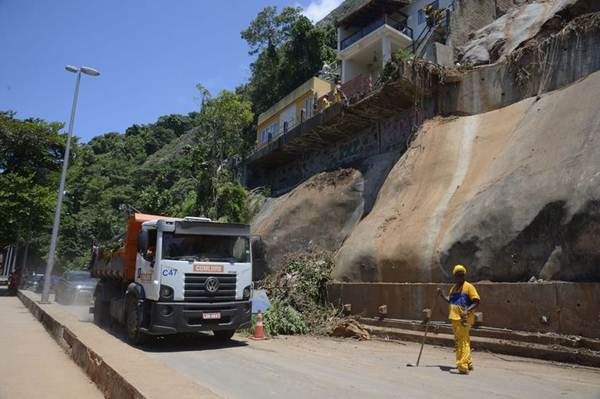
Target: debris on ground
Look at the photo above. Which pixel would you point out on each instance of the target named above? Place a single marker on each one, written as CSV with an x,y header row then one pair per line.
x,y
349,328
298,295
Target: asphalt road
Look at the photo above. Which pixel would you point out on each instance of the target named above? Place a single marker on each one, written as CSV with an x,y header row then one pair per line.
x,y
310,367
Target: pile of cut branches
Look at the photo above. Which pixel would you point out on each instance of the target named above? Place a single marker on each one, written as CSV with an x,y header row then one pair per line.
x,y
298,295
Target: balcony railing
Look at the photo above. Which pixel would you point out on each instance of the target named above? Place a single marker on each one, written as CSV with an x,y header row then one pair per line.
x,y
400,26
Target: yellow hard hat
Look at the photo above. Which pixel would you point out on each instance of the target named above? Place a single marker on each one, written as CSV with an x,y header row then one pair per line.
x,y
459,269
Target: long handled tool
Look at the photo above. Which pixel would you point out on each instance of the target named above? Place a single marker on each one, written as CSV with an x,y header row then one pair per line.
x,y
427,320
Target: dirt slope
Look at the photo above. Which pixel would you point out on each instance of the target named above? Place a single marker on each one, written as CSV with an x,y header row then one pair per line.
x,y
513,193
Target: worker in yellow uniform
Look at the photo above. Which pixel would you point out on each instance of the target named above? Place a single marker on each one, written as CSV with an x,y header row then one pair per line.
x,y
463,299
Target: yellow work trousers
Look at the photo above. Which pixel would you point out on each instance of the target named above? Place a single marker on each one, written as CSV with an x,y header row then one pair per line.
x,y
462,344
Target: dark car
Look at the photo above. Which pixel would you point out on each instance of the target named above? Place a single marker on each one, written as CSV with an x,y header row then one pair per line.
x,y
34,281
75,287
39,287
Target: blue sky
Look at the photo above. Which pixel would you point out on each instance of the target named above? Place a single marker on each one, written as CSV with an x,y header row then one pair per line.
x,y
150,55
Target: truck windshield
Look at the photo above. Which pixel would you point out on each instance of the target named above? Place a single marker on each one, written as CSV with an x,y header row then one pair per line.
x,y
193,247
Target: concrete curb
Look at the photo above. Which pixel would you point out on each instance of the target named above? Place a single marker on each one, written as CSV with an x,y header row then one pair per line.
x,y
120,375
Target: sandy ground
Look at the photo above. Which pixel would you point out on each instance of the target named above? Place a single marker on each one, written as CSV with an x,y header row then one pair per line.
x,y
32,365
309,367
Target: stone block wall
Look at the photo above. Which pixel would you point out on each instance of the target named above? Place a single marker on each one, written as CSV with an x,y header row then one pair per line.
x,y
469,16
385,136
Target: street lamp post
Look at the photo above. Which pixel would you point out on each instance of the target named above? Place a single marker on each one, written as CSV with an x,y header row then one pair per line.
x,y
63,177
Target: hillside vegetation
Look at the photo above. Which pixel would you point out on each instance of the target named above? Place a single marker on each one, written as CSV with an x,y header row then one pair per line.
x,y
179,165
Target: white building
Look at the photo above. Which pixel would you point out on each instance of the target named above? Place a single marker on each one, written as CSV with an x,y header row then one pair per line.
x,y
370,34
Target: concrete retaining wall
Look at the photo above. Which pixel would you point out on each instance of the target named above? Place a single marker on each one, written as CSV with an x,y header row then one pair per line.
x,y
569,308
557,62
389,135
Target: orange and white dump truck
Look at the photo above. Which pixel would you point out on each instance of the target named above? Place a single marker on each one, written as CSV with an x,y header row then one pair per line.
x,y
175,276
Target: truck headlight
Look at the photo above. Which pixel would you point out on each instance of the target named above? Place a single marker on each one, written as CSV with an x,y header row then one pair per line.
x,y
166,292
247,292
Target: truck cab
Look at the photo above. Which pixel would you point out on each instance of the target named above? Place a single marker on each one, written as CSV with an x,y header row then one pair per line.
x,y
190,275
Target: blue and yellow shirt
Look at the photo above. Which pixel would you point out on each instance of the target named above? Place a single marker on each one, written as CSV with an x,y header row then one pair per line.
x,y
462,299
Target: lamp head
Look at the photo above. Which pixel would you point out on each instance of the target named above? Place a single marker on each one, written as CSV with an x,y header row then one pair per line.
x,y
89,71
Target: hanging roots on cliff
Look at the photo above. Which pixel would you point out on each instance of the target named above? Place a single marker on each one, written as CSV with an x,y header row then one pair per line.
x,y
542,56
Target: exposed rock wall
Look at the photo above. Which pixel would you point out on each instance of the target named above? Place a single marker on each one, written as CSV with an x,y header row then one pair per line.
x,y
513,192
320,213
542,65
499,191
500,38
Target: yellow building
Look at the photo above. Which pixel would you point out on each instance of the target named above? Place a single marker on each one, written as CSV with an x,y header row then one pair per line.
x,y
290,110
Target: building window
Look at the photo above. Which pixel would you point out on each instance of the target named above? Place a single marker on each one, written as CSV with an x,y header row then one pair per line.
x,y
270,131
421,12
308,107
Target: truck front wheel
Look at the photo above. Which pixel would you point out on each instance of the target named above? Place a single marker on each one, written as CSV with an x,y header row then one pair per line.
x,y
133,322
224,335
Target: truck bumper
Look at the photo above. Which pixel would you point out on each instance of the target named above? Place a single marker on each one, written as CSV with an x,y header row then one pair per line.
x,y
177,317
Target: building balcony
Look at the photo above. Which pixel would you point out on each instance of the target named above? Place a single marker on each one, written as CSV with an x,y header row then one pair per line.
x,y
399,26
368,50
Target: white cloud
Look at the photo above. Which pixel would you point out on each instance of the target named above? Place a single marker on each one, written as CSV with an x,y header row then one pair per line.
x,y
318,9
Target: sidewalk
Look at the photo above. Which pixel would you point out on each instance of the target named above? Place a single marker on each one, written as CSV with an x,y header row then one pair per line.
x,y
32,365
117,368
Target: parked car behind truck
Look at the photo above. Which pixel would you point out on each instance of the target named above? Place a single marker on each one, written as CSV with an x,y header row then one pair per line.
x,y
75,287
175,276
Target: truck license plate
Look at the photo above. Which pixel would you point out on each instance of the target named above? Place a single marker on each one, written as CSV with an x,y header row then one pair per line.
x,y
211,316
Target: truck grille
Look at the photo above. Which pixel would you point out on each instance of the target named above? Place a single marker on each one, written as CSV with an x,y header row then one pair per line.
x,y
195,288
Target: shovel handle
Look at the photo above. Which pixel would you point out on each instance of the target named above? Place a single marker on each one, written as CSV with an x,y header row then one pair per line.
x,y
426,331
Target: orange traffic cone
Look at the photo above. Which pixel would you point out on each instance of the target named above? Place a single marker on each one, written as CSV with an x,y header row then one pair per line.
x,y
259,331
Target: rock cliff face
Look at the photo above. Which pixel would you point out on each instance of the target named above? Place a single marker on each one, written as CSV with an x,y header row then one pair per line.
x,y
319,214
513,193
519,25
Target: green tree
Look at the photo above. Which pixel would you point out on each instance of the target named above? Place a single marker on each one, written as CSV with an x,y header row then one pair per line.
x,y
220,137
23,203
269,29
29,146
31,152
289,49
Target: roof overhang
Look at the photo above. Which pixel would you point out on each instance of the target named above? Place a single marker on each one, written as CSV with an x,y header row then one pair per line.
x,y
367,11
398,38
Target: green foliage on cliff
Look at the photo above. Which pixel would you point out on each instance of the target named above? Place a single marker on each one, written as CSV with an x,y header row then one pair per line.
x,y
180,165
343,10
114,172
289,49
